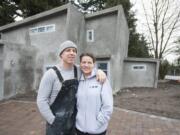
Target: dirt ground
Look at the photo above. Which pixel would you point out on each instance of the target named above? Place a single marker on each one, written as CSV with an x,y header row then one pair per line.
x,y
161,101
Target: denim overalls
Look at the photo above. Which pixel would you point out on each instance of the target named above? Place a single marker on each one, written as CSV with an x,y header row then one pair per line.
x,y
64,107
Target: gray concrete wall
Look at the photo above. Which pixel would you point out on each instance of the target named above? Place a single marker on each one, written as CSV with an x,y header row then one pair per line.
x,y
44,47
75,27
140,78
122,35
47,44
48,41
104,39
122,40
19,35
18,68
1,72
15,35
104,34
28,54
111,39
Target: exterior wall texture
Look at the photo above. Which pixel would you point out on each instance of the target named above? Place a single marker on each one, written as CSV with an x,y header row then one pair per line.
x,y
75,28
104,34
104,38
110,41
26,55
47,44
32,52
139,77
18,68
122,40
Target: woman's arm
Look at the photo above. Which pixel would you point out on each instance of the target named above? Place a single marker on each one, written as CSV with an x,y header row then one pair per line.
x,y
107,103
100,75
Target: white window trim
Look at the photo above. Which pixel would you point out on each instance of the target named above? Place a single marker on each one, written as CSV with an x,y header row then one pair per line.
x,y
45,26
108,66
87,35
53,26
138,65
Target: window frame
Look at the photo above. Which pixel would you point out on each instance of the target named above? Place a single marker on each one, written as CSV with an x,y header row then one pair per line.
x,y
92,35
36,30
139,69
108,66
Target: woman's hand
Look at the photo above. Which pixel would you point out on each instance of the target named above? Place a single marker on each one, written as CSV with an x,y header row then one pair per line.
x,y
100,76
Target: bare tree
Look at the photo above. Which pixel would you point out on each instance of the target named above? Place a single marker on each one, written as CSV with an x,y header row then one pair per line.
x,y
163,24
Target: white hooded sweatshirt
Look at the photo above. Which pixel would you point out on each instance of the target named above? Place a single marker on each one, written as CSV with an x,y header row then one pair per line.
x,y
94,105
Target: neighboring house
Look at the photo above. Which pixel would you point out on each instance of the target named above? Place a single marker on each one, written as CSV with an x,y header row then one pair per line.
x,y
29,47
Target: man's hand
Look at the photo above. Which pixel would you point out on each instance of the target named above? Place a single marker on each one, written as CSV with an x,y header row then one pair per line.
x,y
100,76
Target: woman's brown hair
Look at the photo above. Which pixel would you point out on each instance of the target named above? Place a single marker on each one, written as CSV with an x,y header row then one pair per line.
x,y
87,54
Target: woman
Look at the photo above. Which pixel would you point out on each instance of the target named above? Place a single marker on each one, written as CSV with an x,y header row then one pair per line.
x,y
94,100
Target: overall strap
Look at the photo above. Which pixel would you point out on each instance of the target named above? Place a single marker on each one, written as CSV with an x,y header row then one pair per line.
x,y
75,72
58,74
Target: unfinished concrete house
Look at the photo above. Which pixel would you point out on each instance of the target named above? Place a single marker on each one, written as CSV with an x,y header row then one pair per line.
x,y
29,47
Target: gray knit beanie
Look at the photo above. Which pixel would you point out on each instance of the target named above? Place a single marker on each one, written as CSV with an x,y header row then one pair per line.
x,y
67,44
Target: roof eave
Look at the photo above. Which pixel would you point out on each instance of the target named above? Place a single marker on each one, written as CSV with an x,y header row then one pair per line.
x,y
34,17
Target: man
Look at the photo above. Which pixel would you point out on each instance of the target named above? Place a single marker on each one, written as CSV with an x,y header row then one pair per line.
x,y
56,98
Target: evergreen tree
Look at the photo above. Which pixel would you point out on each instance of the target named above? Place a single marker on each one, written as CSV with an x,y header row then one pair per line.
x,y
7,12
32,7
164,68
138,46
91,5
10,9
